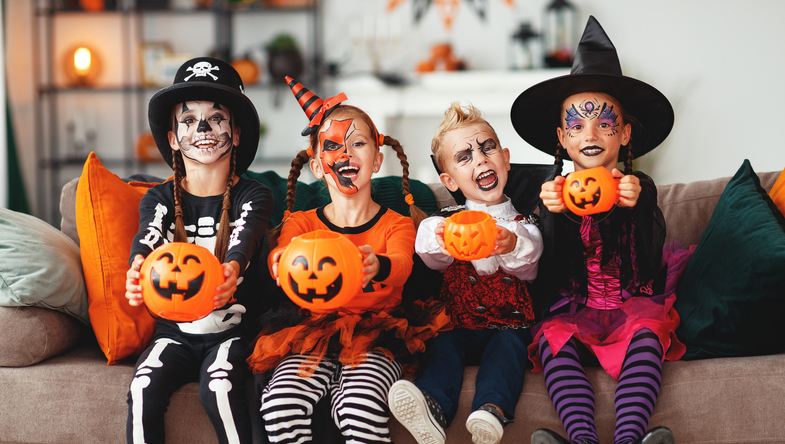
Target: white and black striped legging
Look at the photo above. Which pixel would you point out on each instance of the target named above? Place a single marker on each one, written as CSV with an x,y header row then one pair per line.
x,y
359,399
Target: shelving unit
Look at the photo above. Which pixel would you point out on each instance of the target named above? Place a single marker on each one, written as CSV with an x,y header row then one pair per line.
x,y
111,115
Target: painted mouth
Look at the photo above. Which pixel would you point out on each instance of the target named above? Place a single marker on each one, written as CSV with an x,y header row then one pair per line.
x,y
310,294
487,180
591,151
194,285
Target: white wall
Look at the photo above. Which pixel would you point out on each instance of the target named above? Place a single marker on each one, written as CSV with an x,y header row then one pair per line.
x,y
718,61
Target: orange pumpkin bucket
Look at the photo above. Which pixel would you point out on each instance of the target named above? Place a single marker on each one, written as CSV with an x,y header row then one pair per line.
x,y
590,191
321,270
178,281
470,235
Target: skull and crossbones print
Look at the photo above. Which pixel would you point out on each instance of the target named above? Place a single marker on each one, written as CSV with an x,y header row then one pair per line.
x,y
202,69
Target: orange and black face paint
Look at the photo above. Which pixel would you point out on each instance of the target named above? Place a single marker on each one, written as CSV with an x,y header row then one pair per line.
x,y
334,156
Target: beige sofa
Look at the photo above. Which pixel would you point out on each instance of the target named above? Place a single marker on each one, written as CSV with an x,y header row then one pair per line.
x,y
76,398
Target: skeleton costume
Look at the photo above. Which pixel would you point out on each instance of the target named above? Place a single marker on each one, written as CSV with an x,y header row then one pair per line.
x,y
211,350
608,292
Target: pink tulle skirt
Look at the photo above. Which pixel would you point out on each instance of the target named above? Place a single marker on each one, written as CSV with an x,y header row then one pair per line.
x,y
607,333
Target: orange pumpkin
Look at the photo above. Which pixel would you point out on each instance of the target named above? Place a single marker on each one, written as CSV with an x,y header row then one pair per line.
x,y
470,235
247,69
321,270
178,281
590,191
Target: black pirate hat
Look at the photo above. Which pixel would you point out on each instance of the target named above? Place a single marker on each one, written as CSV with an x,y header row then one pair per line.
x,y
535,113
206,78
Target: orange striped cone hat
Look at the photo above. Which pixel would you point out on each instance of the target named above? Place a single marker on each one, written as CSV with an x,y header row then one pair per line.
x,y
314,107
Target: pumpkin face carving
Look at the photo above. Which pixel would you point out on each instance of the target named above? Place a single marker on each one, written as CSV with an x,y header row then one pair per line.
x,y
590,191
321,270
178,281
470,235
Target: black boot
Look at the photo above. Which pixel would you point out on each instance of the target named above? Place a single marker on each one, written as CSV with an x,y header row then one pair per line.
x,y
657,435
545,436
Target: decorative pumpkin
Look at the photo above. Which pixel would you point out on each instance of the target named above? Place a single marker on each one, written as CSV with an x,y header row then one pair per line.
x,y
470,235
247,69
178,281
321,270
590,191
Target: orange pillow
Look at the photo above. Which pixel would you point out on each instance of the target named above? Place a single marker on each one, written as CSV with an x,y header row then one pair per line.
x,y
107,219
777,192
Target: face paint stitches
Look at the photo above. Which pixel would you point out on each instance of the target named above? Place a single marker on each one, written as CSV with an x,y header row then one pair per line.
x,y
203,131
334,154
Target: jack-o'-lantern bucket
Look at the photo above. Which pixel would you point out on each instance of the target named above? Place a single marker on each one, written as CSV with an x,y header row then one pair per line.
x,y
470,235
321,270
590,191
178,281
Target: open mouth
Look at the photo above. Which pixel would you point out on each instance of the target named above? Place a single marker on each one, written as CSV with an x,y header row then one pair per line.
x,y
206,144
487,180
591,151
348,171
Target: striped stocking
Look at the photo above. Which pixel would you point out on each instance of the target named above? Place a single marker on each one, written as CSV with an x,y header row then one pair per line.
x,y
570,391
639,386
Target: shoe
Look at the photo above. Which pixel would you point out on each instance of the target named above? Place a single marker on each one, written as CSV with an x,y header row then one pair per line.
x,y
485,425
657,435
418,412
545,436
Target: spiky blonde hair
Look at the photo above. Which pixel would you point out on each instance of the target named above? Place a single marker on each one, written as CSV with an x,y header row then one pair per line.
x,y
455,117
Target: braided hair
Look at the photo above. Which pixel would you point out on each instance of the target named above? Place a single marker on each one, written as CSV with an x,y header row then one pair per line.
x,y
303,157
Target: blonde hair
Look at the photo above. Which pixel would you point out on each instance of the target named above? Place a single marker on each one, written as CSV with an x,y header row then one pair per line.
x,y
455,117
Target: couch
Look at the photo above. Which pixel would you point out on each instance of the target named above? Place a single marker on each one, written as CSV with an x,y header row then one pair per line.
x,y
75,397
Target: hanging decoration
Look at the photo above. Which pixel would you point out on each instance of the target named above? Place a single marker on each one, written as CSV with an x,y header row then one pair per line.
x,y
448,9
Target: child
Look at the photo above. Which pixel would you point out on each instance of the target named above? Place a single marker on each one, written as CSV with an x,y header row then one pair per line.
x,y
487,299
348,353
610,265
207,130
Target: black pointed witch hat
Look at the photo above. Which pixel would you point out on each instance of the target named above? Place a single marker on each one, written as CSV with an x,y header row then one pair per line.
x,y
535,113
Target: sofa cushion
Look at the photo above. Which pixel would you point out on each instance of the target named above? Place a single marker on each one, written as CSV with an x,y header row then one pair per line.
x,y
31,334
385,191
107,218
39,266
732,294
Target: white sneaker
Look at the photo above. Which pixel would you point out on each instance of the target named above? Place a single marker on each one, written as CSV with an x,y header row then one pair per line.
x,y
484,427
421,415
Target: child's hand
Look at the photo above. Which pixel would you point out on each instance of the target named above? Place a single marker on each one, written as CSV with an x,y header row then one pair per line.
x,y
629,189
276,259
226,290
551,195
505,241
133,291
370,264
439,232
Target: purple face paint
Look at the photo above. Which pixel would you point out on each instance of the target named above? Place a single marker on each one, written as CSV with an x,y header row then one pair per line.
x,y
608,119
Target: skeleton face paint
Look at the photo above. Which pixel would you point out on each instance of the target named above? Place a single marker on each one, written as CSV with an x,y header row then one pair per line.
x,y
334,155
203,131
592,132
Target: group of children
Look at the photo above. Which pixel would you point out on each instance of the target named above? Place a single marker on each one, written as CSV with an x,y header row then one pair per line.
x,y
599,296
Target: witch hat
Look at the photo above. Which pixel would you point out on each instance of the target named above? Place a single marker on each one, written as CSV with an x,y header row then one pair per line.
x,y
314,107
535,114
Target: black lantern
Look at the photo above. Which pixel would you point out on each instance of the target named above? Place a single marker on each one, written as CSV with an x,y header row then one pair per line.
x,y
520,50
559,34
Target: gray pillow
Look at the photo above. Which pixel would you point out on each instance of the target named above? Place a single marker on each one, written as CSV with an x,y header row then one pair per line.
x,y
31,334
40,266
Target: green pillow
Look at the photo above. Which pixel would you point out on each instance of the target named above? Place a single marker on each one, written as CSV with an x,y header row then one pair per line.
x,y
385,191
40,266
731,298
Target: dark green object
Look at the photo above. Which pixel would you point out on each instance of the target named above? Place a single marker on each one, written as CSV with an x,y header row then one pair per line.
x,y
17,195
385,191
731,298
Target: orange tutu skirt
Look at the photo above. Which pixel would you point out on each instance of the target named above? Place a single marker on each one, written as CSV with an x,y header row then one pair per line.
x,y
349,337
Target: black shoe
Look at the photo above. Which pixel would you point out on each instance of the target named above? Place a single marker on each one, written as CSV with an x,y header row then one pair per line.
x,y
545,436
418,412
657,435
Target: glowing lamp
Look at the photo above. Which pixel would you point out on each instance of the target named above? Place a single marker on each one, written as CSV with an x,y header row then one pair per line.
x,y
81,66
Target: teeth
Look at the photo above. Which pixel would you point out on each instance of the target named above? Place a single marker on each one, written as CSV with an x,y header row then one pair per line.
x,y
485,174
347,168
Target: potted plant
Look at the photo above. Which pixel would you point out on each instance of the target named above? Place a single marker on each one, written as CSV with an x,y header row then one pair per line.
x,y
283,58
